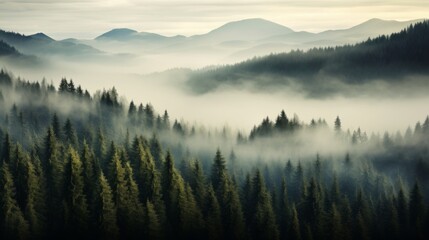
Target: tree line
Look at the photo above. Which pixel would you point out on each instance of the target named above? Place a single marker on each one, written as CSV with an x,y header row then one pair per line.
x,y
88,174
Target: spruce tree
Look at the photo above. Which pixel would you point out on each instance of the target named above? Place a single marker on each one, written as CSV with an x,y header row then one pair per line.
x,y
227,195
12,222
294,227
153,228
212,215
284,212
334,226
76,205
107,227
70,135
417,212
133,207
263,223
53,168
197,182
34,200
6,149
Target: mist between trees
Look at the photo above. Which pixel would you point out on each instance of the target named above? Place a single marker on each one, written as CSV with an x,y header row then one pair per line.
x,y
95,166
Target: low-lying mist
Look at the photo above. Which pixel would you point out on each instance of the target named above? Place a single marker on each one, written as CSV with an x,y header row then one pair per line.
x,y
241,108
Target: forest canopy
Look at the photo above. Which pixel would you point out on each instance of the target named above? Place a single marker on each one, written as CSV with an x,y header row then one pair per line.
x,y
94,166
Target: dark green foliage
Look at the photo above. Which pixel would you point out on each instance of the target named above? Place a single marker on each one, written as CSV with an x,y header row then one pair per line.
x,y
152,222
53,184
212,215
417,212
262,221
5,79
75,201
295,229
70,136
105,209
12,222
318,71
227,195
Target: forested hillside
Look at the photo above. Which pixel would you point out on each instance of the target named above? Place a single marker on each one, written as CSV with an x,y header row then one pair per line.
x,y
93,166
397,58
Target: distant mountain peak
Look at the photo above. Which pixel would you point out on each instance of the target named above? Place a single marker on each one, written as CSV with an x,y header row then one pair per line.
x,y
117,33
248,30
41,36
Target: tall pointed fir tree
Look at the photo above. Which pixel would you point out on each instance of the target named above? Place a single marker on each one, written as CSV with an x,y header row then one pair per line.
x,y
263,223
12,222
212,215
53,168
105,210
32,194
76,205
153,229
417,212
227,195
70,135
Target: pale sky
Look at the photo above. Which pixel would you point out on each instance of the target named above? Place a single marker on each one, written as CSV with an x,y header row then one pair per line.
x,y
89,18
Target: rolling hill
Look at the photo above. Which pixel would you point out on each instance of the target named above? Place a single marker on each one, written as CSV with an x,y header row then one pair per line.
x,y
42,45
389,59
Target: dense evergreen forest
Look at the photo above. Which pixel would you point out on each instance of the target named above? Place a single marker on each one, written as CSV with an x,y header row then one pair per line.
x,y
76,165
320,71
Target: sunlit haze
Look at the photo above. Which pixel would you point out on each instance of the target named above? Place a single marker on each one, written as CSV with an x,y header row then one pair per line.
x,y
88,19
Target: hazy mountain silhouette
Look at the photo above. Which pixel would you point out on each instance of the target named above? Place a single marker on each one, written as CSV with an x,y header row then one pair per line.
x,y
390,59
41,44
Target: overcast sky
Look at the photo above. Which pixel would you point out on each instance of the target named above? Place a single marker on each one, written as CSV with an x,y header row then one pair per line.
x,y
89,18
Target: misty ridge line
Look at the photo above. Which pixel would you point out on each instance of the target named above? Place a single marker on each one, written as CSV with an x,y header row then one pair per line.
x,y
392,62
128,31
228,43
266,128
271,141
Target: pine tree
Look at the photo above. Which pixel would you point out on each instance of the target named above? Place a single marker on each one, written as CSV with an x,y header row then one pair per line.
x,y
70,136
166,121
337,124
6,149
262,224
90,172
56,126
76,206
53,168
33,204
294,229
283,214
402,206
190,215
282,122
156,151
12,222
335,191
212,215
361,231
391,220
153,228
119,188
417,212
133,208
312,208
105,210
197,182
335,224
148,176
100,147
171,185
227,195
